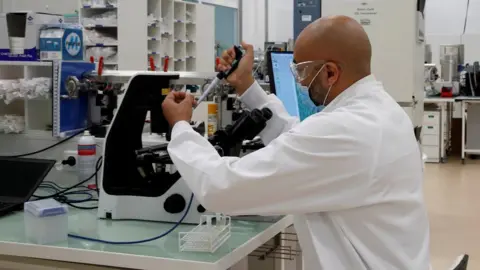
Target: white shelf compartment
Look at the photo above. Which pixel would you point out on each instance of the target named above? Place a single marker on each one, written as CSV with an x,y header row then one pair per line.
x,y
180,31
155,10
180,65
191,13
180,11
167,16
37,112
191,49
191,32
98,17
179,50
191,64
98,4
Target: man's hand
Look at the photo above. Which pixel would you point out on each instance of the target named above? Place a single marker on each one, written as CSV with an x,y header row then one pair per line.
x,y
178,106
242,78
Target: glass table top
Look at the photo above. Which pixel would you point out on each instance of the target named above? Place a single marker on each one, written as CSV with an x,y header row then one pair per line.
x,y
86,224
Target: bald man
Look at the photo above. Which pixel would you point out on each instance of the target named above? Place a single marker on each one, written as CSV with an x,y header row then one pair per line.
x,y
351,175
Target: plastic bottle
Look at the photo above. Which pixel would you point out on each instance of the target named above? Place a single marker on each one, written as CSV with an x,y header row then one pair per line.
x,y
87,157
212,119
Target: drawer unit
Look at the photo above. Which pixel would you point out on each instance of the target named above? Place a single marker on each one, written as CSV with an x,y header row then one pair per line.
x,y
431,118
432,153
431,140
431,130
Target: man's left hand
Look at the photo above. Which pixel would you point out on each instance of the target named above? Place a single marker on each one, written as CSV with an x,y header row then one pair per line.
x,y
178,106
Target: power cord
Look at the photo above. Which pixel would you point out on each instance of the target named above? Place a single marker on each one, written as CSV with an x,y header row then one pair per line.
x,y
62,193
47,148
139,241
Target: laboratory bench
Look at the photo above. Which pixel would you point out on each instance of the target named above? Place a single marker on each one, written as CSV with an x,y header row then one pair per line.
x,y
436,132
17,253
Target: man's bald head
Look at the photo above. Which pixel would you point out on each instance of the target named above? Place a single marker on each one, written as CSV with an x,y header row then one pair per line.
x,y
343,51
338,39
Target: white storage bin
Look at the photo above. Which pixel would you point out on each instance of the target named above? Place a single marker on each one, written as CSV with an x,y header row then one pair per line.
x,y
46,222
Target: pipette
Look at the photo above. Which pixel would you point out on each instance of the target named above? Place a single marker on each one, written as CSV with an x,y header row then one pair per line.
x,y
222,75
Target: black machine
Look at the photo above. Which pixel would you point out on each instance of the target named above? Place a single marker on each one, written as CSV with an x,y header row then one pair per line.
x,y
129,167
21,177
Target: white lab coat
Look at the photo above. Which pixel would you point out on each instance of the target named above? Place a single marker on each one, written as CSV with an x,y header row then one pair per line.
x,y
351,176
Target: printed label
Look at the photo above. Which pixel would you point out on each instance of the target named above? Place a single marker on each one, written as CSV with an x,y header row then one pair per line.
x,y
87,150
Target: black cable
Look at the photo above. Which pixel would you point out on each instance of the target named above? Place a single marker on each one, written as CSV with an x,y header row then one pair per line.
x,y
98,165
70,188
47,148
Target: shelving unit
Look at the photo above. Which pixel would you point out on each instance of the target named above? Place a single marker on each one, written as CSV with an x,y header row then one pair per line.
x,y
100,19
152,29
37,112
172,36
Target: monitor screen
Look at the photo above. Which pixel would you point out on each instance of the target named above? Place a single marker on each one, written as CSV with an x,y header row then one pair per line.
x,y
284,86
21,177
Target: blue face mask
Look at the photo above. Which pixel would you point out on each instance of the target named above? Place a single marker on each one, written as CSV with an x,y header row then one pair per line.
x,y
306,90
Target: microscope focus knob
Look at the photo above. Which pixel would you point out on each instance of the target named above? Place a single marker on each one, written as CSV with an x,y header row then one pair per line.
x,y
175,204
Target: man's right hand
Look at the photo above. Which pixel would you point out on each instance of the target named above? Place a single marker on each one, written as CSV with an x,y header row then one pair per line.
x,y
242,78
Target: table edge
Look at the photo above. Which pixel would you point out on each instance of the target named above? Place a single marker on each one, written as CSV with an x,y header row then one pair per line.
x,y
247,248
94,257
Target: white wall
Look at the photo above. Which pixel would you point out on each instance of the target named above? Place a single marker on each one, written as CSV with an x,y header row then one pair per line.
x,y
280,20
51,6
253,22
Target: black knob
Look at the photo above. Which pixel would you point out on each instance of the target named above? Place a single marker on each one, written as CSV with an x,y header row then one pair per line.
x,y
175,204
201,209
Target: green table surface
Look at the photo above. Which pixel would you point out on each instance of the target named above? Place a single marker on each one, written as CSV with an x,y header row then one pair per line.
x,y
85,223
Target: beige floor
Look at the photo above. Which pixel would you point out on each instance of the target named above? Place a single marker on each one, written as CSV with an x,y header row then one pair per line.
x,y
452,193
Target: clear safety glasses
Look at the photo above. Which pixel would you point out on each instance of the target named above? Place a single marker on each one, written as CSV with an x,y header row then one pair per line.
x,y
301,71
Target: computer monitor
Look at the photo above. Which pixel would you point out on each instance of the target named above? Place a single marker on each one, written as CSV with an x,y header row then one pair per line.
x,y
284,86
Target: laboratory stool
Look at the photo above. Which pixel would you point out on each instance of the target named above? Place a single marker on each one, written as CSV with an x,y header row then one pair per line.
x,y
461,263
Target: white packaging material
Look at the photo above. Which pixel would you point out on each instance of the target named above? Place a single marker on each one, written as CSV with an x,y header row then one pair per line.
x,y
46,222
12,124
109,53
25,88
105,18
112,3
93,36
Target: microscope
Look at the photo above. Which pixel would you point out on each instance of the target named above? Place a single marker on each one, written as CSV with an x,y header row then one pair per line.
x,y
139,180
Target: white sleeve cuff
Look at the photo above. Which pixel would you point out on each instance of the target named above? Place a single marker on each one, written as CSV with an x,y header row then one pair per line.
x,y
255,97
180,127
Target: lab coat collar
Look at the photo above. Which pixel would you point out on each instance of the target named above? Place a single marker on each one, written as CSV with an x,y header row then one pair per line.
x,y
352,91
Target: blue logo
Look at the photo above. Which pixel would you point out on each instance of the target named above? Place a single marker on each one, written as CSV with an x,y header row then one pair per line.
x,y
30,18
60,20
73,45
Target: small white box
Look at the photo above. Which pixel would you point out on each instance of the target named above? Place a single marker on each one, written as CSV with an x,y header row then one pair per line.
x,y
46,222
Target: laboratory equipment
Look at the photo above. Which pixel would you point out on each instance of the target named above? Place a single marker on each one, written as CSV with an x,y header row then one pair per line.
x,y
210,234
139,180
27,174
222,75
46,222
87,158
451,57
284,85
400,72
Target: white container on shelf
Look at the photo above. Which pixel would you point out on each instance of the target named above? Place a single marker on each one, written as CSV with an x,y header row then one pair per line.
x,y
46,222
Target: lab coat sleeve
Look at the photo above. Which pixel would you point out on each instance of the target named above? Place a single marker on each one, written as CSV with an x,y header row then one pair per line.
x,y
256,98
313,168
